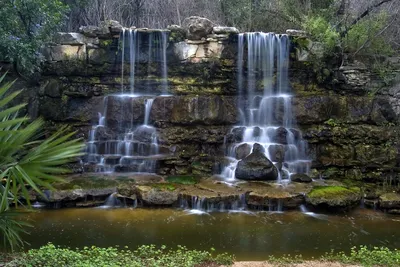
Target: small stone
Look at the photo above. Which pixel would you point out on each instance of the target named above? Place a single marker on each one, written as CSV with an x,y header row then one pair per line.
x,y
221,29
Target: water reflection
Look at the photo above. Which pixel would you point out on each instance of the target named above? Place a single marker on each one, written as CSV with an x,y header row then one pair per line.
x,y
250,236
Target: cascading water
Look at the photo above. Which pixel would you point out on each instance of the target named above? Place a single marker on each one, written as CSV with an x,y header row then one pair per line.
x,y
265,107
119,142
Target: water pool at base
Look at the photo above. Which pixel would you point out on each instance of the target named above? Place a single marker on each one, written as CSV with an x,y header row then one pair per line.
x,y
249,236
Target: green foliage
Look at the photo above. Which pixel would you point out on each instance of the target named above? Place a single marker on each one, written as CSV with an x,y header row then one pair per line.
x,y
164,186
147,255
322,31
25,25
331,122
377,256
28,161
365,35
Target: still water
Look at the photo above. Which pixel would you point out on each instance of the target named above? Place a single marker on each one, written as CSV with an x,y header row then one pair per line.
x,y
250,236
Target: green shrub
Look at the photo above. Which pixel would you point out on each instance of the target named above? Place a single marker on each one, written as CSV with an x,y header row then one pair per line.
x,y
25,25
377,256
148,255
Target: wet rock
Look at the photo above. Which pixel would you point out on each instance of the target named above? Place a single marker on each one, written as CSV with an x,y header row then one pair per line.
x,y
157,195
242,151
277,153
389,201
300,178
280,136
371,203
333,196
256,166
122,111
237,133
197,27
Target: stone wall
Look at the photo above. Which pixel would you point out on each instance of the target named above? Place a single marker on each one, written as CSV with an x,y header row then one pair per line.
x,y
351,134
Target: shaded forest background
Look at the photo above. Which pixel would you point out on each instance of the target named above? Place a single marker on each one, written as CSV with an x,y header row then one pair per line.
x,y
342,27
247,15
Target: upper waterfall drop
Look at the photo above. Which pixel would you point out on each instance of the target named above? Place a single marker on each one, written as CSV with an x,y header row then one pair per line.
x,y
265,108
124,139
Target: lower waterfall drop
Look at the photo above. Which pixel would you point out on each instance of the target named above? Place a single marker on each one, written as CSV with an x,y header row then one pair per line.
x,y
265,108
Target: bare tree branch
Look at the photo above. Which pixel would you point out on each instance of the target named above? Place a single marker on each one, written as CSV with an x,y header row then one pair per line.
x,y
364,14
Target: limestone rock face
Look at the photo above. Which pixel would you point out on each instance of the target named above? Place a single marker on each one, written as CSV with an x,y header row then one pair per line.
x,y
256,166
197,27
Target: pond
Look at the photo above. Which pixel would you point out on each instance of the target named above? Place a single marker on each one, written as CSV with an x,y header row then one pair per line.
x,y
248,235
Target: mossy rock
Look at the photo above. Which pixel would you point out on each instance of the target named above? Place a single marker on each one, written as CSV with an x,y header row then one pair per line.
x,y
91,182
182,179
334,196
389,201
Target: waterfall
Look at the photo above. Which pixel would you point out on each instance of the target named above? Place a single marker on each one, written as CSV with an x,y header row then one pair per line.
x,y
265,106
126,144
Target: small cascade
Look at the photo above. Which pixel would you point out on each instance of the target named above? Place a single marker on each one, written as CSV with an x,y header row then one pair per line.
x,y
202,204
265,107
112,201
122,140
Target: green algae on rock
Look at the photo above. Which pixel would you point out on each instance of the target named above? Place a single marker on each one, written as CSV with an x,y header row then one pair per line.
x,y
333,196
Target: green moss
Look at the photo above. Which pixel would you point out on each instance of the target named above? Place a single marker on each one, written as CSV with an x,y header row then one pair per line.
x,y
329,192
164,186
105,43
183,179
64,99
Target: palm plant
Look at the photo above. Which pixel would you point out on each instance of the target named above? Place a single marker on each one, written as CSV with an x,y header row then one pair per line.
x,y
28,161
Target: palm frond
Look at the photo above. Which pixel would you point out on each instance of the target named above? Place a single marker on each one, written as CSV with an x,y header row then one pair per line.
x,y
28,161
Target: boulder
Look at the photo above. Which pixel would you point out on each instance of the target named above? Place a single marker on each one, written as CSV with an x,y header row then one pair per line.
x,y
256,166
197,27
300,178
